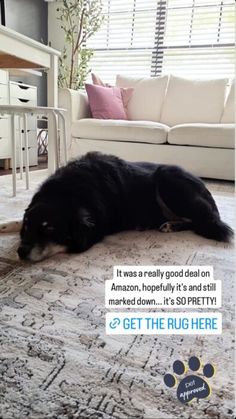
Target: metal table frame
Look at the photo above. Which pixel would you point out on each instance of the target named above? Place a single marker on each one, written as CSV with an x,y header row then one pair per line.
x,y
56,115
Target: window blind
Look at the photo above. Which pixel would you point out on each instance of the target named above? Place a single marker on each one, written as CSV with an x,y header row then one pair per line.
x,y
198,40
140,38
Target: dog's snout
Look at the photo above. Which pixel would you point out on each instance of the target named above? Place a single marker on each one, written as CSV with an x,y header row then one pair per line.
x,y
23,251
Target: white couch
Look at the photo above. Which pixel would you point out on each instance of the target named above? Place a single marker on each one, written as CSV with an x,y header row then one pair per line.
x,y
171,120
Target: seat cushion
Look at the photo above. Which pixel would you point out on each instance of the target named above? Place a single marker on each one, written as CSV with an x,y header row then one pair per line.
x,y
203,135
229,110
147,98
120,130
193,101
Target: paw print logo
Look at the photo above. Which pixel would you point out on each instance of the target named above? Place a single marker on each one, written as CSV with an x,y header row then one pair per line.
x,y
191,385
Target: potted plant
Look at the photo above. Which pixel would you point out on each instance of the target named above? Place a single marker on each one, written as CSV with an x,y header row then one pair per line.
x,y
79,20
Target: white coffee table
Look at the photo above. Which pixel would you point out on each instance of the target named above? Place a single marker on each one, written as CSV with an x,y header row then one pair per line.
x,y
56,114
18,51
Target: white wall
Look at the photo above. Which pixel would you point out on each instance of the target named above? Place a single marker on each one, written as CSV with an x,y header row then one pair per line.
x,y
29,18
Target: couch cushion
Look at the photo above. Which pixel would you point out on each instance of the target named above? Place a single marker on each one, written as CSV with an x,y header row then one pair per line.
x,y
189,101
229,110
203,135
147,99
120,130
126,81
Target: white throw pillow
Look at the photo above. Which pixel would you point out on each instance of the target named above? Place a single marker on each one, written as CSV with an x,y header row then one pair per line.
x,y
190,101
229,110
147,98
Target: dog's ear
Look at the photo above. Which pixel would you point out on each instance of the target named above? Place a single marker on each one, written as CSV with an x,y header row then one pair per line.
x,y
82,230
85,218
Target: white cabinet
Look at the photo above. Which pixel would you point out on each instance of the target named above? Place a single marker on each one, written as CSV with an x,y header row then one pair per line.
x,y
4,127
32,139
4,93
5,143
24,94
16,93
4,77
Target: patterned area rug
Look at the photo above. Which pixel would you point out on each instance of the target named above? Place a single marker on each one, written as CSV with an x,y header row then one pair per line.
x,y
56,360
13,208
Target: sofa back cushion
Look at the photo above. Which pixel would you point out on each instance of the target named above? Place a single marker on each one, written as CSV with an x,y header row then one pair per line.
x,y
147,98
193,101
229,109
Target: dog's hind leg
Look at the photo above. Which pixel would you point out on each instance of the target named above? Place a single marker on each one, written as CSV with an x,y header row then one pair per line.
x,y
11,226
173,226
186,198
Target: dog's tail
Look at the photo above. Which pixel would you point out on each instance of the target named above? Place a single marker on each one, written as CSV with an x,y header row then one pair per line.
x,y
11,226
214,229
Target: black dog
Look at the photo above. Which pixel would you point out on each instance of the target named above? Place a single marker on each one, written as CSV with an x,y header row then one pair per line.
x,y
100,194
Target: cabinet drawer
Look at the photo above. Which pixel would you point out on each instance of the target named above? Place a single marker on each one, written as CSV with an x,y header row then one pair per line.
x,y
32,139
5,153
4,101
4,92
33,157
23,92
22,102
3,77
4,127
5,148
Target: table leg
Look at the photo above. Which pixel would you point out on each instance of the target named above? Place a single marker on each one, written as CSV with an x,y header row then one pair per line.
x,y
52,80
56,148
64,137
20,146
13,148
26,151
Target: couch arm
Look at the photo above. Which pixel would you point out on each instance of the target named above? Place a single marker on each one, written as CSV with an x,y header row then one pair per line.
x,y
77,106
76,103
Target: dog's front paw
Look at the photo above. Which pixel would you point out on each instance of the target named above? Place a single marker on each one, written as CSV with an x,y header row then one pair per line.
x,y
166,228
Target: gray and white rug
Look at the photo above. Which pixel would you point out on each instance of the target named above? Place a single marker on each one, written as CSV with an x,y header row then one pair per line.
x,y
56,360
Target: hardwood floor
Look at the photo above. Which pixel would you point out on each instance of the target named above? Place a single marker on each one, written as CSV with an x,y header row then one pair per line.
x,y
42,164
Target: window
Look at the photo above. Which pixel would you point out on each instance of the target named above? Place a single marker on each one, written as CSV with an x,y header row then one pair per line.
x,y
125,42
198,40
152,37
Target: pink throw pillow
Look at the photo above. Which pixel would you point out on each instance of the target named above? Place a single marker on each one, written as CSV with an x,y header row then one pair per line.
x,y
126,92
105,102
98,81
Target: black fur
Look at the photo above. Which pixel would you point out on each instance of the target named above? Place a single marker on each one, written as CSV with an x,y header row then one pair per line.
x,y
101,194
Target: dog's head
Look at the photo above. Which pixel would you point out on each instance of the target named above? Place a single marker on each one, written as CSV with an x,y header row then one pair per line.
x,y
43,233
49,229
